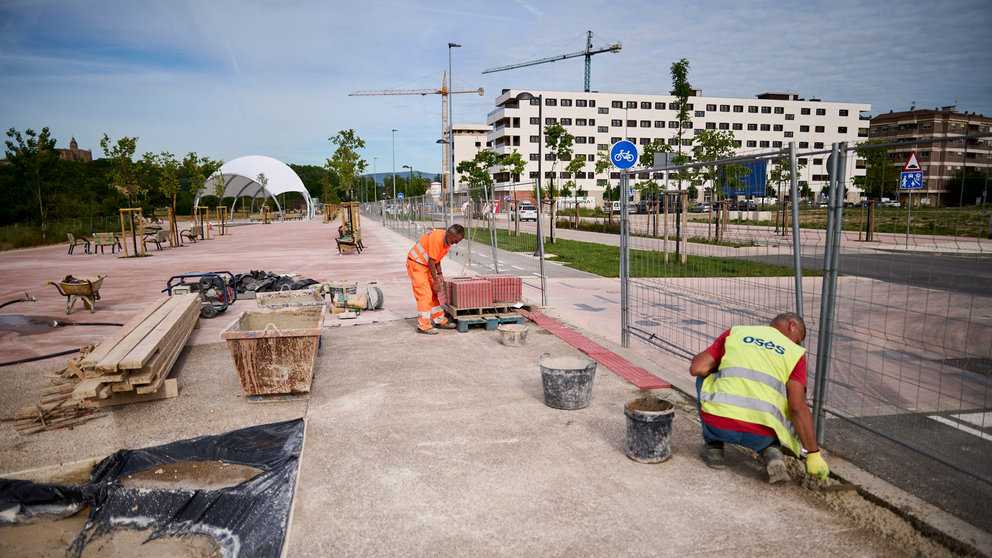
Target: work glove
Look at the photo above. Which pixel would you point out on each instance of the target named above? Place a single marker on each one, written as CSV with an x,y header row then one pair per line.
x,y
816,466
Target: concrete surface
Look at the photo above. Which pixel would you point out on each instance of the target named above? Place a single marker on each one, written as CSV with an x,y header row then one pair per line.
x,y
431,445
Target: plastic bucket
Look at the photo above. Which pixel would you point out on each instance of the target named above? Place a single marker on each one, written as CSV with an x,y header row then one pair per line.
x,y
513,335
649,429
567,381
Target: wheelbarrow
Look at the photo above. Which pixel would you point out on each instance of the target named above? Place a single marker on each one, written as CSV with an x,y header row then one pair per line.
x,y
73,289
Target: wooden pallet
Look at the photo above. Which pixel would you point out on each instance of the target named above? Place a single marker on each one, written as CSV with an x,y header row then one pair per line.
x,y
496,308
486,317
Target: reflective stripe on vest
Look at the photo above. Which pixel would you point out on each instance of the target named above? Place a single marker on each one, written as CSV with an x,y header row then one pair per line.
x,y
750,383
417,253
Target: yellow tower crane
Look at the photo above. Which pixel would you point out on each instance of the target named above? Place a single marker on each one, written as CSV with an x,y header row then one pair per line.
x,y
445,129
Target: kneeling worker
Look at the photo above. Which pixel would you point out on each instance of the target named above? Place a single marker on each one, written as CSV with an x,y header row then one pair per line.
x,y
423,264
751,387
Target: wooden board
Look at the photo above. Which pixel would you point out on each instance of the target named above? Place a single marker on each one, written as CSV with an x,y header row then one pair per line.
x,y
169,389
160,335
109,343
109,362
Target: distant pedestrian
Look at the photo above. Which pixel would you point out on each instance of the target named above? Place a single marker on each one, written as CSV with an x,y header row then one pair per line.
x,y
751,388
423,265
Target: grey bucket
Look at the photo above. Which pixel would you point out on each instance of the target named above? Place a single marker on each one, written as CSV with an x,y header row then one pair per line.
x,y
567,381
649,429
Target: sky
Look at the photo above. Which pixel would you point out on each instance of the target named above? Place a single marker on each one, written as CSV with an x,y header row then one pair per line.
x,y
271,77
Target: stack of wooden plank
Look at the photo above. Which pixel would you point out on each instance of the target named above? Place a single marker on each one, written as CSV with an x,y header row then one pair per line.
x,y
133,364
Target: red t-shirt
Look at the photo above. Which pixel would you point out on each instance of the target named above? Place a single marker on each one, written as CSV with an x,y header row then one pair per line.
x,y
717,350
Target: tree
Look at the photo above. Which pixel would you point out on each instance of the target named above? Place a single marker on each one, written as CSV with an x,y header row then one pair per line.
x,y
713,145
559,143
881,176
123,171
967,186
610,193
570,188
476,171
782,175
33,157
682,90
345,161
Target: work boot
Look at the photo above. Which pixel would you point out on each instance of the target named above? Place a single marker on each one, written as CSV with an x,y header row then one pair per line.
x,y
775,464
713,455
446,325
430,331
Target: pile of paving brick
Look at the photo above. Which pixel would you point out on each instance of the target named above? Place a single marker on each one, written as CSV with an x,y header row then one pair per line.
x,y
483,291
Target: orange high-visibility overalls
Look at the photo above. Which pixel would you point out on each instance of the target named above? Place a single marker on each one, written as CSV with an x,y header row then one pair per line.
x,y
430,246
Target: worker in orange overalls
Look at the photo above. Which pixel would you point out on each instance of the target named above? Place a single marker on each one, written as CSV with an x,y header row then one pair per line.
x,y
423,264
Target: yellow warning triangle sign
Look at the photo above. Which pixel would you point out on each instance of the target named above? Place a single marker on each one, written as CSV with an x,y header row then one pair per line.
x,y
913,164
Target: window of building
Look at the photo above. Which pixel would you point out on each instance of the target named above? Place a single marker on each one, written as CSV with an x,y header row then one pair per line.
x,y
752,127
710,107
566,122
645,104
631,123
535,139
615,139
724,108
581,103
818,129
602,110
535,120
659,106
697,132
700,113
645,123
617,104
580,121
766,127
592,102
804,111
790,116
752,143
533,174
766,110
580,139
535,101
752,109
566,102
738,108
616,122
779,110
803,161
602,129
659,123
788,134
645,141
817,161
549,102
673,141
842,129
818,145
738,126
776,144
803,128
763,143
821,112
601,146
843,112
688,106
549,156
803,144
724,125
673,106
549,121
535,157
777,127
632,104
592,121
711,125
673,124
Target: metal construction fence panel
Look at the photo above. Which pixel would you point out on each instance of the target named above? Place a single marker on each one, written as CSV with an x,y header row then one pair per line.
x,y
905,324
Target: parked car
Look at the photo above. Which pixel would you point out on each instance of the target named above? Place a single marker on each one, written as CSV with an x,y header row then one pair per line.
x,y
527,212
889,203
704,207
744,205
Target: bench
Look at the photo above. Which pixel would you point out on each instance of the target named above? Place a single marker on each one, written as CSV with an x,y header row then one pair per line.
x,y
191,233
81,241
105,239
158,236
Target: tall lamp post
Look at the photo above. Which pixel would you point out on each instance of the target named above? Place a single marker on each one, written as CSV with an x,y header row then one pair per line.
x,y
444,214
451,138
410,184
375,181
394,163
525,96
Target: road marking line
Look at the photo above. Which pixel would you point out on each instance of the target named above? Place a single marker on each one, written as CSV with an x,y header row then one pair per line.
x,y
979,419
516,267
961,427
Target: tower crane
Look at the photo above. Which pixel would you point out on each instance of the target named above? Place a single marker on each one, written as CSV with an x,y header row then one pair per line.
x,y
445,130
587,53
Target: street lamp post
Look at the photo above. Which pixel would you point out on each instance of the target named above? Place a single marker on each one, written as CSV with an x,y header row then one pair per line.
x,y
525,96
444,214
451,138
375,181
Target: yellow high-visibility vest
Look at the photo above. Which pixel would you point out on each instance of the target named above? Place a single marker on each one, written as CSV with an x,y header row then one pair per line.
x,y
749,384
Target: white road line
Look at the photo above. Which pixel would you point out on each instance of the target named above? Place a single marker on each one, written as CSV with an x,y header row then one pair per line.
x,y
961,427
517,267
981,420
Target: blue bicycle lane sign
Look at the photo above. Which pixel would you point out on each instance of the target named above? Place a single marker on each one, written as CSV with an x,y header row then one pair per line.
x,y
623,154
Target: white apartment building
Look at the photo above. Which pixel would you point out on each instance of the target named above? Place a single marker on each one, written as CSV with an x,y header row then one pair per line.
x,y
469,140
598,120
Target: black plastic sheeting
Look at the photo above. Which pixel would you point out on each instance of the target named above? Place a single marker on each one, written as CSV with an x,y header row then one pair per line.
x,y
249,519
266,281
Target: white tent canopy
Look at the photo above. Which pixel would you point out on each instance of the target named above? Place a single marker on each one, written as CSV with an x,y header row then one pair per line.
x,y
241,177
